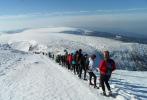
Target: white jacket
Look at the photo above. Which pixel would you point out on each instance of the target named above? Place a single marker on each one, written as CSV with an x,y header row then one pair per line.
x,y
91,65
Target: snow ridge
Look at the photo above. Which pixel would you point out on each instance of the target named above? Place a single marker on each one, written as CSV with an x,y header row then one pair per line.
x,y
26,76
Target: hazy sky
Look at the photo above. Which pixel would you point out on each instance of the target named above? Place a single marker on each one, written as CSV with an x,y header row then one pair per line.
x,y
104,15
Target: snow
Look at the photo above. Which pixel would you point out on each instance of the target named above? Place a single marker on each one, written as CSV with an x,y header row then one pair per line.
x,y
133,55
35,77
28,76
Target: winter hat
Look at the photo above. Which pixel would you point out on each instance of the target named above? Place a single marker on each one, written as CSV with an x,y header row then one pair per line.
x,y
80,50
93,56
106,53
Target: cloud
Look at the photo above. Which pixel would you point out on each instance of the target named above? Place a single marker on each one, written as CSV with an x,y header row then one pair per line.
x,y
67,13
136,9
105,20
120,11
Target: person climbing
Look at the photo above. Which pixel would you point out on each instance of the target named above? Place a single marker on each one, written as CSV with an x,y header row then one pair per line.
x,y
62,60
69,59
76,59
74,62
66,58
106,67
92,68
80,63
86,63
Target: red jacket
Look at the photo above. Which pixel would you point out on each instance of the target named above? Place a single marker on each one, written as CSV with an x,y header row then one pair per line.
x,y
70,59
106,67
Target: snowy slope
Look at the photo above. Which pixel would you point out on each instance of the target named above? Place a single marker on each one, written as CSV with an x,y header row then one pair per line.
x,y
26,76
129,56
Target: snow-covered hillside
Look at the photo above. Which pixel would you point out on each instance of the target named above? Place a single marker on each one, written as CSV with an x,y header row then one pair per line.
x,y
28,76
129,56
24,76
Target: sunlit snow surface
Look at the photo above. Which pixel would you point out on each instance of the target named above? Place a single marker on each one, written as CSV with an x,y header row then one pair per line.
x,y
27,76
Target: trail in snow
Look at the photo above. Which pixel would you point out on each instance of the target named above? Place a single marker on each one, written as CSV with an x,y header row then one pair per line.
x,y
32,77
24,76
41,79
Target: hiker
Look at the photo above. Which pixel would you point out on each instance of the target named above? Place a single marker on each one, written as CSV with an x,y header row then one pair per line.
x,y
86,64
62,60
53,56
79,62
106,67
69,61
49,54
66,58
83,65
92,68
74,62
76,59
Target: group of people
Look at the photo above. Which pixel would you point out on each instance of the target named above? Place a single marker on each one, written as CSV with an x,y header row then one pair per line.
x,y
78,62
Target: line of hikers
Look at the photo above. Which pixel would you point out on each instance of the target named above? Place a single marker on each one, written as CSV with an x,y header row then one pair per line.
x,y
78,62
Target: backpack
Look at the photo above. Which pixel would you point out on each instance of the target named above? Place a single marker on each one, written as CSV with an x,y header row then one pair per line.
x,y
73,59
109,66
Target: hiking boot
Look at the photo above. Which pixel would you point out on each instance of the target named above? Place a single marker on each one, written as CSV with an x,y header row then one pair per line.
x,y
104,93
110,93
91,84
79,77
85,79
96,87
